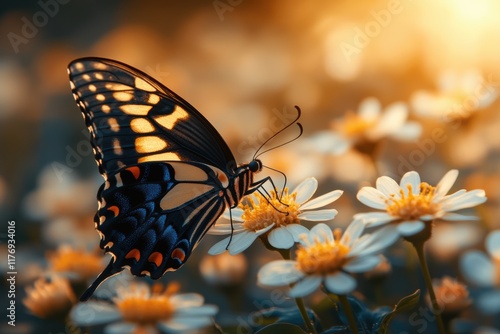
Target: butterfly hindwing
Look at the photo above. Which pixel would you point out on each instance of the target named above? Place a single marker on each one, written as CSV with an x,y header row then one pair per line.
x,y
151,217
132,118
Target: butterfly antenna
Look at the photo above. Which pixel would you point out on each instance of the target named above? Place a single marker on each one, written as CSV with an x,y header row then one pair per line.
x,y
284,184
257,154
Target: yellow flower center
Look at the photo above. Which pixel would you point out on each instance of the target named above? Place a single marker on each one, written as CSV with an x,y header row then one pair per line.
x,y
323,257
410,206
66,259
49,298
353,125
266,211
139,305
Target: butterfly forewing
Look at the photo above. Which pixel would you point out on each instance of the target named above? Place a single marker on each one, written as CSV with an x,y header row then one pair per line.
x,y
132,118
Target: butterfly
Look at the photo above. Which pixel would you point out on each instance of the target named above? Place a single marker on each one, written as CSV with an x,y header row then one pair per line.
x,y
169,175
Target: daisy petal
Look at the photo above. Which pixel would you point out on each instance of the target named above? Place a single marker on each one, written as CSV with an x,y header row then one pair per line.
x,y
306,286
457,217
321,232
376,242
318,215
489,303
297,230
184,323
409,228
124,328
187,300
391,120
388,187
466,200
220,247
281,238
372,197
340,283
408,132
369,109
477,268
204,310
322,200
493,243
223,228
445,184
241,242
411,178
94,313
372,219
362,264
279,273
352,232
305,190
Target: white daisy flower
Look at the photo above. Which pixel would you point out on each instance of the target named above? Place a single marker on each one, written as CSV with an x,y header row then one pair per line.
x,y
484,270
412,203
370,124
459,95
261,216
328,257
138,308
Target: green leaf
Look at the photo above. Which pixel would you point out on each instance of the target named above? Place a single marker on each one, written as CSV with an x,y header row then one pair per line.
x,y
405,304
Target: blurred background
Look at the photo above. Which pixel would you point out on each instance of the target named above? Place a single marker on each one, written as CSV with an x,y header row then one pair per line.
x,y
244,65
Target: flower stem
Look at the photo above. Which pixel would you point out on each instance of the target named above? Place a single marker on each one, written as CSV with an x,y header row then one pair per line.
x,y
305,316
348,312
285,253
419,247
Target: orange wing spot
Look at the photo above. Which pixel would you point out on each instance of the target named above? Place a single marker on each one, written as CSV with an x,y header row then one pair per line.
x,y
156,257
223,179
114,209
178,254
135,171
133,254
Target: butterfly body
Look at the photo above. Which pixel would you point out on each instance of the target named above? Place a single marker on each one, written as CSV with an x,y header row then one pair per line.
x,y
168,173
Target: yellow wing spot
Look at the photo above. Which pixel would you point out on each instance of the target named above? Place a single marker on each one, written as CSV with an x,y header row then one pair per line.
x,y
75,96
113,124
100,66
79,66
185,172
123,96
102,219
134,254
178,254
169,121
71,85
117,148
115,210
86,77
141,125
105,108
100,97
99,76
149,144
141,84
117,86
156,258
153,99
136,171
136,109
92,88
169,156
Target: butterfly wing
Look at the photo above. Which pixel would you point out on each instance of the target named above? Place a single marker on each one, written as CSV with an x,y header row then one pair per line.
x,y
152,215
133,118
163,163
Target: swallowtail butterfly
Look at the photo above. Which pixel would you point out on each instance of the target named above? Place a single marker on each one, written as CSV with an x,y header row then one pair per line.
x,y
168,173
